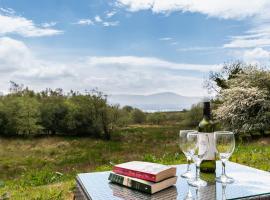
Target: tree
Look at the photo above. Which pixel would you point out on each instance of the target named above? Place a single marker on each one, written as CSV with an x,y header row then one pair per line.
x,y
128,108
23,115
218,80
53,112
156,118
193,117
245,103
138,116
3,118
124,117
80,119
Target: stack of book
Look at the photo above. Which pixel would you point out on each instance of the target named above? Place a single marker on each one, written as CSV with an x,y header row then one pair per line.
x,y
144,176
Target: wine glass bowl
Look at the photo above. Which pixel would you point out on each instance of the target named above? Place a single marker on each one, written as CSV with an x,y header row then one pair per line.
x,y
225,144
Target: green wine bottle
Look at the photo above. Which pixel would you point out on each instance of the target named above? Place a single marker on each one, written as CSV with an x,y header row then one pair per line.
x,y
206,126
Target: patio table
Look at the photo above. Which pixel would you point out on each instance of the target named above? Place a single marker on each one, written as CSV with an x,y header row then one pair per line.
x,y
250,183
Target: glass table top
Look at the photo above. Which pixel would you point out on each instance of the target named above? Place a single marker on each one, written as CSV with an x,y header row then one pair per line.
x,y
249,182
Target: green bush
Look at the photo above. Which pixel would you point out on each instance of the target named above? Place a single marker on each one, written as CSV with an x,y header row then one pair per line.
x,y
156,118
138,116
193,117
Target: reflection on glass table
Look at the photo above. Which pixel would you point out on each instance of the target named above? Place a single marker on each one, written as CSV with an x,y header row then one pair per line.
x,y
123,193
249,183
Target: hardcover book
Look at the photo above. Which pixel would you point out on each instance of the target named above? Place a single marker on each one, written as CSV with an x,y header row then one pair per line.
x,y
142,185
145,170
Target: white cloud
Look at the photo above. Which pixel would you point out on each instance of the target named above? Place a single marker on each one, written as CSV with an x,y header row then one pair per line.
x,y
8,11
48,24
144,75
226,9
119,74
150,62
256,56
18,62
257,36
198,48
248,43
256,11
174,43
165,39
85,22
98,19
257,53
114,23
24,27
13,55
110,14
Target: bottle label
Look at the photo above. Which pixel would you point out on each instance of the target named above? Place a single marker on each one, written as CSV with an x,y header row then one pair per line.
x,y
210,154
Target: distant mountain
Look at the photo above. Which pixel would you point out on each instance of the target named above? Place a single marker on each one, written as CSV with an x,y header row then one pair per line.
x,y
166,101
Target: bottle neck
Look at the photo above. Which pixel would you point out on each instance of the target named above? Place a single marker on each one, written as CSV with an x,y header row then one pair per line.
x,y
206,110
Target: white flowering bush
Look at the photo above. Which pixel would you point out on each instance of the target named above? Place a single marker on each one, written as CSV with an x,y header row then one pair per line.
x,y
245,106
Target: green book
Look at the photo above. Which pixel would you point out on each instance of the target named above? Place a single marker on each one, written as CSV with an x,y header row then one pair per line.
x,y
142,185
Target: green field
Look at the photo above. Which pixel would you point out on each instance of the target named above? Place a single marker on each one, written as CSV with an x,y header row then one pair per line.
x,y
45,167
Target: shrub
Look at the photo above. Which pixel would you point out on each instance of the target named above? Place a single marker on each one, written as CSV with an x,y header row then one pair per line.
x,y
138,116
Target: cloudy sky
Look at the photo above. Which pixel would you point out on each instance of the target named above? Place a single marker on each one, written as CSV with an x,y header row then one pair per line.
x,y
128,46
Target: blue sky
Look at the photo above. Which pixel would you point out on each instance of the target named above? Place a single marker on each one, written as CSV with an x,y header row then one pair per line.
x,y
128,46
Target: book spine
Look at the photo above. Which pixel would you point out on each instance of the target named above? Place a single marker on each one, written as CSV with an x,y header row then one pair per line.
x,y
135,174
130,183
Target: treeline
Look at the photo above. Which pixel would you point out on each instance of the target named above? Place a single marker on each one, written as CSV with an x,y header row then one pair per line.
x,y
186,118
52,112
25,112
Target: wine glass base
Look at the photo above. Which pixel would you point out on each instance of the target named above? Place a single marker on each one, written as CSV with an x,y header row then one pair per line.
x,y
224,179
188,175
197,182
189,198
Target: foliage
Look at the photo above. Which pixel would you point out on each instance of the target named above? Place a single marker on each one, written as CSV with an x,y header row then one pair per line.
x,y
156,118
218,80
53,113
193,117
20,115
25,112
244,110
244,104
138,116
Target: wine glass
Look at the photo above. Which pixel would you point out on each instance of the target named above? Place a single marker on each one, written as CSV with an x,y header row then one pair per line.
x,y
189,195
200,146
225,144
185,147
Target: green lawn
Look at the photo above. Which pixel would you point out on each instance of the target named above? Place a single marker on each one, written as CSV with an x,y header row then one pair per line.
x,y
44,168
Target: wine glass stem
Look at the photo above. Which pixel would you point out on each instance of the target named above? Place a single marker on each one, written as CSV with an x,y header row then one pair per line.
x,y
223,168
188,164
223,192
189,193
197,172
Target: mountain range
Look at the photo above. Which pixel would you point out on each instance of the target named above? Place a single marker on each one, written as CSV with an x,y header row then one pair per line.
x,y
166,101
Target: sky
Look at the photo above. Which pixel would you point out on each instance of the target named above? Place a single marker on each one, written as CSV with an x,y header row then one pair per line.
x,y
128,46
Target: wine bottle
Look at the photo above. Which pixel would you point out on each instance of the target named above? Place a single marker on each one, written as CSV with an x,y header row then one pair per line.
x,y
206,126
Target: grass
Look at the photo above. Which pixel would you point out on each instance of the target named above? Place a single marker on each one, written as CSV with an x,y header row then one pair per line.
x,y
45,168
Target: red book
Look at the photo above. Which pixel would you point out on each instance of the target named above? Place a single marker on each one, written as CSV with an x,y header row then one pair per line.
x,y
145,170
